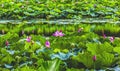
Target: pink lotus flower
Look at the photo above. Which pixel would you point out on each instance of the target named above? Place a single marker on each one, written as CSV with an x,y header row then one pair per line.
x,y
104,36
47,44
6,43
80,29
28,39
111,39
61,34
58,33
94,58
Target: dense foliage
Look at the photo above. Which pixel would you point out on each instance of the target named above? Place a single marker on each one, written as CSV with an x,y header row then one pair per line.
x,y
53,47
44,46
54,9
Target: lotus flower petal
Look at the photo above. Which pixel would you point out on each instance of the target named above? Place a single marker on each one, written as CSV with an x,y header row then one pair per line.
x,y
47,44
94,58
111,39
28,39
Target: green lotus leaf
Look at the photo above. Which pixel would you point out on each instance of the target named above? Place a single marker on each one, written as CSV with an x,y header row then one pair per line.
x,y
85,58
106,59
74,69
96,48
7,59
50,65
117,49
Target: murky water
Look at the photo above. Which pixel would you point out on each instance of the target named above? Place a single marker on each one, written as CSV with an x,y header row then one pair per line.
x,y
61,21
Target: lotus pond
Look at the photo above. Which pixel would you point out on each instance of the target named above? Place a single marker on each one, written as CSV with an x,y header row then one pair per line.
x,y
56,47
56,9
29,44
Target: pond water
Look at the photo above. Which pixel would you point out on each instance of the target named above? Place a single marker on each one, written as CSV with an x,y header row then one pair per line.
x,y
62,21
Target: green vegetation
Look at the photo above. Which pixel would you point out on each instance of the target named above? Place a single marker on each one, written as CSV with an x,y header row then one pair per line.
x,y
72,51
56,9
32,37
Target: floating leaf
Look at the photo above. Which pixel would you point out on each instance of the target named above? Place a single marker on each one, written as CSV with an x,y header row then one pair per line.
x,y
50,65
117,49
85,58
